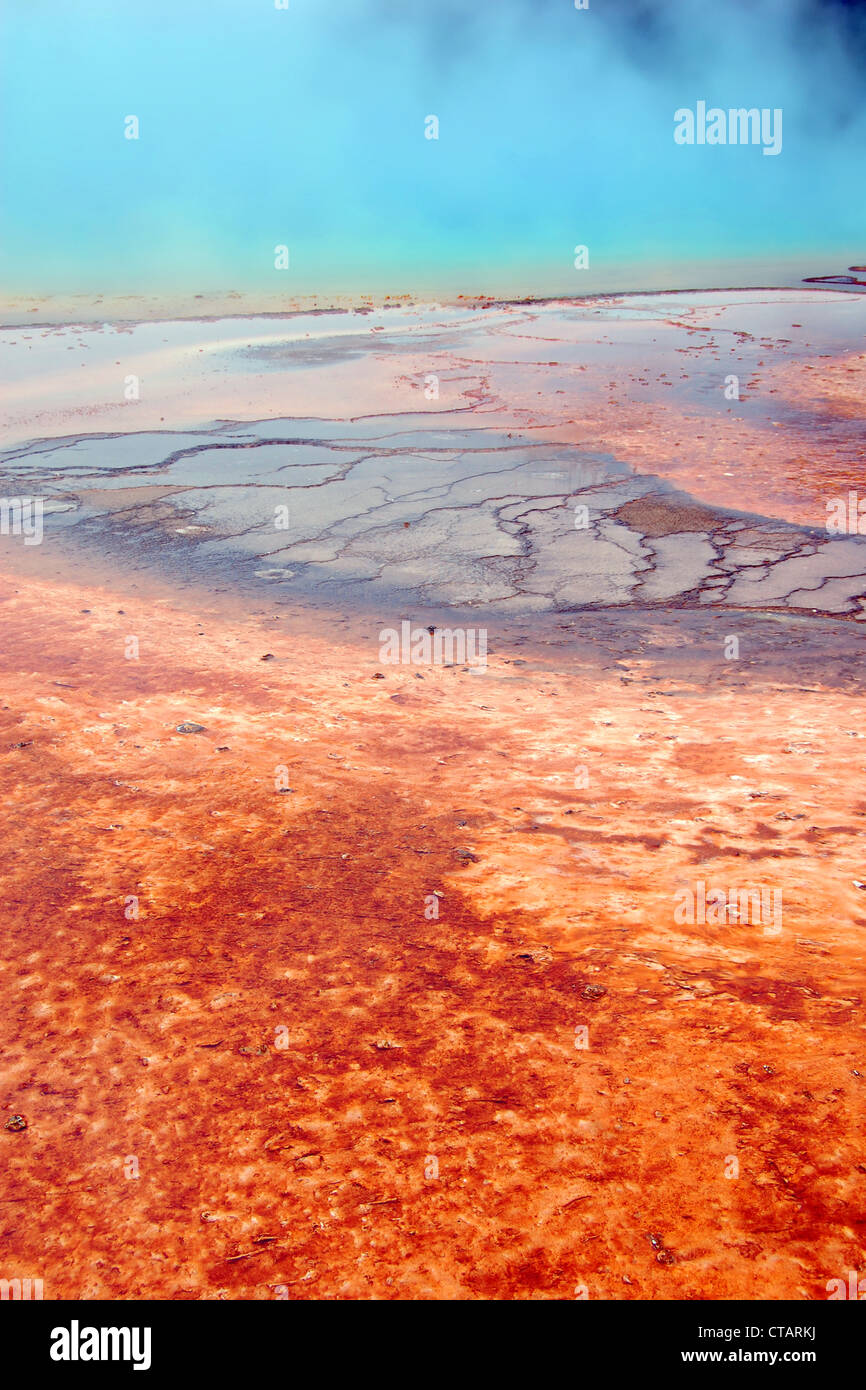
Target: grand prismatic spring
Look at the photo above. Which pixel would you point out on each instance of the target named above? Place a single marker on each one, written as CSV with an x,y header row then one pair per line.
x,y
432,702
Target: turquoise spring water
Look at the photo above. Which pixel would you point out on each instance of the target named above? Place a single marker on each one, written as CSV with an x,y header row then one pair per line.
x,y
306,127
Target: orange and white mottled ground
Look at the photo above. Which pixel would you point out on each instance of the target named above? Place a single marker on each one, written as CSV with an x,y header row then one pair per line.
x,y
321,1087
373,985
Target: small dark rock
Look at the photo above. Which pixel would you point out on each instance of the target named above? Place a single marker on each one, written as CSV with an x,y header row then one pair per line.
x,y
268,656
187,727
15,1123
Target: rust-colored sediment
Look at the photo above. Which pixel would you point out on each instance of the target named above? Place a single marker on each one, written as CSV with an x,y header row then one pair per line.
x,y
415,1045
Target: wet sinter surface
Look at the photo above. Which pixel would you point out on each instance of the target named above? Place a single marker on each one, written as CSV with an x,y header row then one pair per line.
x,y
459,515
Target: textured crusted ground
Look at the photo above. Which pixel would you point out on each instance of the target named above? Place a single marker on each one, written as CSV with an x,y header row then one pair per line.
x,y
288,1046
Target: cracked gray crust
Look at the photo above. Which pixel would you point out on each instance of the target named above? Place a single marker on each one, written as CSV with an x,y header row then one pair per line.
x,y
442,511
